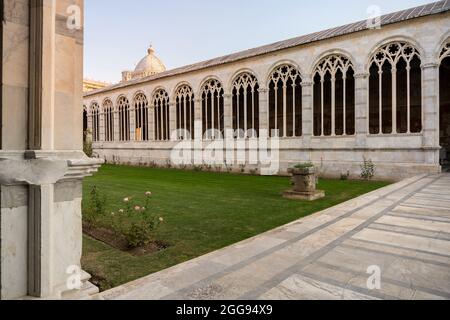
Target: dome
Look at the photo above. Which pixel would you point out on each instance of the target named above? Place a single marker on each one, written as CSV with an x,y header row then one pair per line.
x,y
150,64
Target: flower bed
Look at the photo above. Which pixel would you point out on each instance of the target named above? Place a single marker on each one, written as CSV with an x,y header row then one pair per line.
x,y
131,229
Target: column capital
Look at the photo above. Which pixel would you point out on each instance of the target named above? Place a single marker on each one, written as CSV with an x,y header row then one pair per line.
x,y
263,90
308,83
430,65
362,75
227,95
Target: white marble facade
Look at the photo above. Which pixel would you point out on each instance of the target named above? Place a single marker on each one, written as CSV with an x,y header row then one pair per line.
x,y
42,165
397,152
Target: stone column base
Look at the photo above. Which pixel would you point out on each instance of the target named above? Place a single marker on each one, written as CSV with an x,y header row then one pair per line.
x,y
86,292
306,196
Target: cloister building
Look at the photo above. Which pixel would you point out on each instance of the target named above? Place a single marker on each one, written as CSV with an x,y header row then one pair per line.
x,y
336,97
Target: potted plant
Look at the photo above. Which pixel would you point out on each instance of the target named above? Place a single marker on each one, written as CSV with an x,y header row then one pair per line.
x,y
304,181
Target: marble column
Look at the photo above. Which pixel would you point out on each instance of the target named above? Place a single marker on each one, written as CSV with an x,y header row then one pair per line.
x,y
307,111
132,121
228,110
102,125
116,125
264,110
90,125
42,165
361,108
151,123
198,116
430,98
173,121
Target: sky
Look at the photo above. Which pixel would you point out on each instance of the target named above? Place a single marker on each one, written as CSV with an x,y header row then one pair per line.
x,y
118,32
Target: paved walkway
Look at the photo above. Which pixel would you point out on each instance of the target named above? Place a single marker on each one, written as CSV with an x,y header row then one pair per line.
x,y
403,229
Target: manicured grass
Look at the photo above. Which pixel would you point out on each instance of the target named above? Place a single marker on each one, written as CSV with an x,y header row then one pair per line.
x,y
203,212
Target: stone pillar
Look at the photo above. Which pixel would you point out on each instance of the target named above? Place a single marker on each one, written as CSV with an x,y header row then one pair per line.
x,y
90,123
361,109
430,98
228,111
132,121
172,121
151,123
116,125
307,112
40,173
198,117
264,110
102,125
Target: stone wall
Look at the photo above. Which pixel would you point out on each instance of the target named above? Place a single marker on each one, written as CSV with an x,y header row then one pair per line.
x,y
41,162
395,155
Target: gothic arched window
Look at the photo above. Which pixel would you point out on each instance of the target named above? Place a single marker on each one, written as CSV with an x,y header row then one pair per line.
x,y
334,97
123,107
108,110
185,109
95,114
141,117
162,117
212,109
285,101
395,90
245,106
444,104
445,52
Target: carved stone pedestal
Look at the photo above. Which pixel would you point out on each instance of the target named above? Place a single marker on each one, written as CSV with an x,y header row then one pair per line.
x,y
304,181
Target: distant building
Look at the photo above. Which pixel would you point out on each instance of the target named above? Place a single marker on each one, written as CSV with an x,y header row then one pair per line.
x,y
148,66
89,85
334,98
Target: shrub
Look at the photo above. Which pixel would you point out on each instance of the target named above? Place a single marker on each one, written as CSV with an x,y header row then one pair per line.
x,y
135,223
345,176
198,168
93,215
367,169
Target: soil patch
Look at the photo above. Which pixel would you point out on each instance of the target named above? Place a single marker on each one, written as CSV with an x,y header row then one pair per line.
x,y
116,241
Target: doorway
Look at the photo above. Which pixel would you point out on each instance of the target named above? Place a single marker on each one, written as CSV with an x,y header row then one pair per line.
x,y
444,119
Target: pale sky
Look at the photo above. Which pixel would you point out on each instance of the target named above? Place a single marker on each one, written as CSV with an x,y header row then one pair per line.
x,y
118,32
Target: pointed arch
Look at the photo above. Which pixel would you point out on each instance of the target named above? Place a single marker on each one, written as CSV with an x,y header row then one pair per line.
x,y
285,101
123,108
444,103
185,111
140,103
445,50
213,108
161,115
334,96
108,111
245,105
95,118
394,108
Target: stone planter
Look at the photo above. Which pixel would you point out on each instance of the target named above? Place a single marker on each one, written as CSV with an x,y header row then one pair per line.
x,y
304,182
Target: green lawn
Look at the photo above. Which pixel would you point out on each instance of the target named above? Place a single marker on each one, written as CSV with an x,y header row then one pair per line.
x,y
203,212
